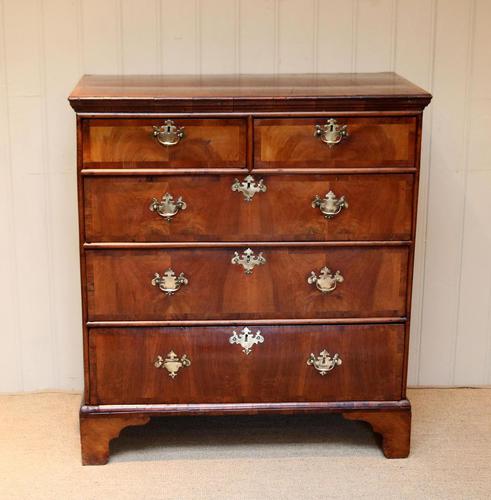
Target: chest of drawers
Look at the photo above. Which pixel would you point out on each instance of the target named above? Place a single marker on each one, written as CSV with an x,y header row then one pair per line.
x,y
246,247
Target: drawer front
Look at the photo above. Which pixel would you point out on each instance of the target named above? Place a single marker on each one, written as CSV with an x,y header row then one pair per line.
x,y
371,142
375,207
130,143
119,283
368,367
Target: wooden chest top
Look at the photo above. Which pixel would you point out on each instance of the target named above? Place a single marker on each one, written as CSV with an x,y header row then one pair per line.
x,y
247,93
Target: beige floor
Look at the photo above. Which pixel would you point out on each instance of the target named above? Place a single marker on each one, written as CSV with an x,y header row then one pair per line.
x,y
310,457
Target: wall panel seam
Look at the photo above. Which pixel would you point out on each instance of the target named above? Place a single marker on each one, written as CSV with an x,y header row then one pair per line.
x,y
465,139
12,229
237,37
197,19
431,78
120,36
53,330
80,37
315,37
393,49
354,36
276,36
158,36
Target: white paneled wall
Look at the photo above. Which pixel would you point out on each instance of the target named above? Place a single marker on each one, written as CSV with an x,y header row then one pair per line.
x,y
45,45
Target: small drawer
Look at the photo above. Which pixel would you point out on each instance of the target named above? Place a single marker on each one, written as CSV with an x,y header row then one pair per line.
x,y
154,143
233,283
281,207
347,142
210,364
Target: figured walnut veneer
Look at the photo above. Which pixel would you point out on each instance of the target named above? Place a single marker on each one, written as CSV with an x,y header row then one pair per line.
x,y
118,284
216,213
125,143
372,142
272,371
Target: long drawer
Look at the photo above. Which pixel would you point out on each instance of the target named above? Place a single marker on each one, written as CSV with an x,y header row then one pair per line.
x,y
368,142
283,282
210,364
280,207
132,143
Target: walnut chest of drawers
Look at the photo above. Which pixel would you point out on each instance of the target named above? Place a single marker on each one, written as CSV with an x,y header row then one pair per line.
x,y
246,247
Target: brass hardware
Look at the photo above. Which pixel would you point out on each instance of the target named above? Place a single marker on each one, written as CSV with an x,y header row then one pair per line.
x,y
167,207
248,187
248,260
331,133
168,134
329,205
172,363
326,281
169,283
324,362
246,339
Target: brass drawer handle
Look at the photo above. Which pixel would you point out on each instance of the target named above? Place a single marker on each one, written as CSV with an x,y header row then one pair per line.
x,y
329,205
248,260
246,339
167,207
248,187
169,283
172,363
326,282
168,134
331,133
324,362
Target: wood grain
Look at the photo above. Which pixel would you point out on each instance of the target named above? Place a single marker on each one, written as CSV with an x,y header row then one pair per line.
x,y
130,143
345,85
119,284
158,410
96,431
117,208
123,372
372,142
305,92
101,423
394,427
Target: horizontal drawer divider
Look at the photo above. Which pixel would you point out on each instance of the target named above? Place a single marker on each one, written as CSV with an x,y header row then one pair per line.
x,y
235,244
240,171
162,171
336,171
252,408
231,322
